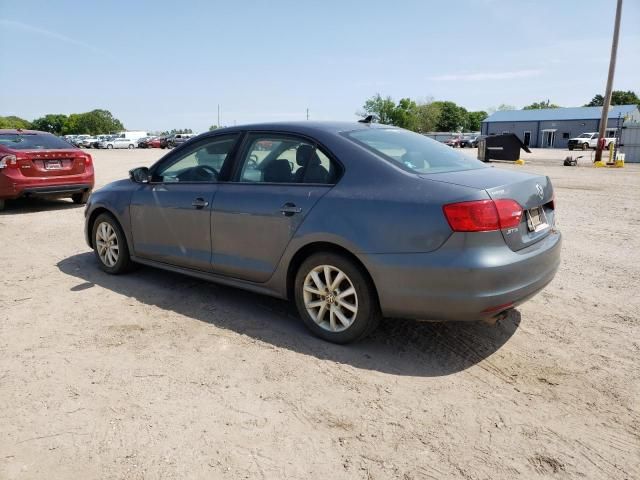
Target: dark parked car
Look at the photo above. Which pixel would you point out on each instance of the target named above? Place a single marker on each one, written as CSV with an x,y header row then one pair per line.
x,y
352,221
178,139
470,142
38,164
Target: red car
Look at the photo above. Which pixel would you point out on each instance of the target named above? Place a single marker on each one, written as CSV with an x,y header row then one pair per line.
x,y
155,142
40,164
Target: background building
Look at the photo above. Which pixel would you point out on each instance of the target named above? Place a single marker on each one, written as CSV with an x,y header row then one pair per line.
x,y
553,127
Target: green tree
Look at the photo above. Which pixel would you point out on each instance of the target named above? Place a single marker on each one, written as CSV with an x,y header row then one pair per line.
x,y
473,121
382,109
213,127
404,114
452,117
427,116
98,121
618,97
540,105
14,122
53,123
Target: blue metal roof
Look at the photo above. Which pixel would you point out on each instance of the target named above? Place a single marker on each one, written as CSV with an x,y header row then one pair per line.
x,y
577,113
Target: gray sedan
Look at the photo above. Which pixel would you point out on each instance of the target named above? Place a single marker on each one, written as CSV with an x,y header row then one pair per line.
x,y
352,221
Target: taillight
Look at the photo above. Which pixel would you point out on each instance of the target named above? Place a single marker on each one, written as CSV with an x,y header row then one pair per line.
x,y
87,160
8,161
483,215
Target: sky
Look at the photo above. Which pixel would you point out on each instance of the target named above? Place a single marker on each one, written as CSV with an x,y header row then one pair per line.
x,y
160,65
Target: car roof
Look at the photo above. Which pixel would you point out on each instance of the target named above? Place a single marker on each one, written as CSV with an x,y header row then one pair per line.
x,y
305,126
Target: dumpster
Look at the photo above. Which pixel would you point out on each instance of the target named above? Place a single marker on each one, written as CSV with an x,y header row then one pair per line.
x,y
501,147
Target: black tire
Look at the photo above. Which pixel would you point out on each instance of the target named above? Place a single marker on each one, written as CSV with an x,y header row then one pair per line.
x,y
81,198
123,263
368,313
571,148
585,146
109,147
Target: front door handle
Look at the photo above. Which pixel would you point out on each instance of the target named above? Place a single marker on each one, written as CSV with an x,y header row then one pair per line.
x,y
289,209
199,203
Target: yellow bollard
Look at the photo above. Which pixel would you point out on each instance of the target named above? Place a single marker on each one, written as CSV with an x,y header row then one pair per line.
x,y
519,162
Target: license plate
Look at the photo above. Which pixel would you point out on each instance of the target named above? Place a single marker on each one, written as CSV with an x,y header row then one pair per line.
x,y
53,164
536,219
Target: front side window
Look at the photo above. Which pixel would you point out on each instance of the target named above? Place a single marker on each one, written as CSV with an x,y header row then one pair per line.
x,y
279,159
412,151
201,164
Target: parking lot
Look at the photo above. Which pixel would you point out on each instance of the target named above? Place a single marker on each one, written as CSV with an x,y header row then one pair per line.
x,y
157,375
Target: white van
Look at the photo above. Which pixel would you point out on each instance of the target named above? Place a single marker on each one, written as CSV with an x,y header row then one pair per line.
x,y
133,135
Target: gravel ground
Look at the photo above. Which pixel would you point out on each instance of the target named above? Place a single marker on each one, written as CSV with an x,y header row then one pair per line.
x,y
157,375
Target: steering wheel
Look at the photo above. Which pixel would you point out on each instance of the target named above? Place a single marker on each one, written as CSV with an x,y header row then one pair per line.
x,y
253,161
207,168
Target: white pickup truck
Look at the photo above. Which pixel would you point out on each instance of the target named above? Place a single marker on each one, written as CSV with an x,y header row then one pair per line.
x,y
589,140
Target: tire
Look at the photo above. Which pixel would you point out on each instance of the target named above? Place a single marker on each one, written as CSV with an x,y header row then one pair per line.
x,y
109,147
81,198
348,325
131,147
2,204
122,263
571,148
585,146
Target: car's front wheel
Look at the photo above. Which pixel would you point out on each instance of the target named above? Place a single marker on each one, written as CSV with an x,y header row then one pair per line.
x,y
109,147
585,146
110,245
335,298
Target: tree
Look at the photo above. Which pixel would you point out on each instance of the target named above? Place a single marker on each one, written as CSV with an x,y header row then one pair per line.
x,y
427,116
473,121
404,115
52,122
618,97
382,109
213,127
14,122
540,105
99,121
451,118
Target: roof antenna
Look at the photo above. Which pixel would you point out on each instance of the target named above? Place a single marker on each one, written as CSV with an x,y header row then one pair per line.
x,y
367,119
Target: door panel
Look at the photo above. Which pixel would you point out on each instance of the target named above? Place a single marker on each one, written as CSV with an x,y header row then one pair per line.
x,y
168,227
250,231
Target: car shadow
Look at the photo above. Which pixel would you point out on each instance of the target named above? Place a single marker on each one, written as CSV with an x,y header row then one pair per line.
x,y
402,347
36,204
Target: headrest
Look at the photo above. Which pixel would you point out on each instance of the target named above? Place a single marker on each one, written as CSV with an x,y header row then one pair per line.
x,y
303,154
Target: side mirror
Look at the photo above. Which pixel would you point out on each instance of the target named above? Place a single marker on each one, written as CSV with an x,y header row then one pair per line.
x,y
140,175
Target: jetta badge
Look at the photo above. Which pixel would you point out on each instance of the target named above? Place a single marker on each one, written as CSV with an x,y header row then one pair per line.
x,y
539,190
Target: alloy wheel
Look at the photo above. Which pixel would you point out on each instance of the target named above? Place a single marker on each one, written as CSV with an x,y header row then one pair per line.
x,y
330,298
107,244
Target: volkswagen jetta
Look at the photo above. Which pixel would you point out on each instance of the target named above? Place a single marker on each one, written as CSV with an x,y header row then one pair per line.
x,y
352,221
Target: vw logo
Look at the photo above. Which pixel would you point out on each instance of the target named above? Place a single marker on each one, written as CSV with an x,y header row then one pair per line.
x,y
539,190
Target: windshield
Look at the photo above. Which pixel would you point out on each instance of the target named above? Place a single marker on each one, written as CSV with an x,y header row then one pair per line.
x,y
33,141
412,151
585,135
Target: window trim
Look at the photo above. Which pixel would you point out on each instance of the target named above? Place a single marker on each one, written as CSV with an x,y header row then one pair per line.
x,y
234,178
176,155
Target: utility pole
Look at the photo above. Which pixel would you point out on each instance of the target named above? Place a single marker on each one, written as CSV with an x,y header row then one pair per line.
x,y
307,114
219,116
607,95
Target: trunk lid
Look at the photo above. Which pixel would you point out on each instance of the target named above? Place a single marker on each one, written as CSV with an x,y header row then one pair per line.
x,y
534,193
51,163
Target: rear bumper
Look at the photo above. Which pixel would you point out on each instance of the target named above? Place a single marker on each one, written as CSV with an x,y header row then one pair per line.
x,y
471,277
11,188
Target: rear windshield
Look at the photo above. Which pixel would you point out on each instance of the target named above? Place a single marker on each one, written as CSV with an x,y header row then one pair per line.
x,y
412,151
33,141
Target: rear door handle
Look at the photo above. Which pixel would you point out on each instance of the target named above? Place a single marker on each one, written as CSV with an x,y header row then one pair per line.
x,y
289,209
199,203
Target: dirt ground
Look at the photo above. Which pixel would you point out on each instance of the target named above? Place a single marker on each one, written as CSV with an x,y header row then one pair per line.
x,y
156,375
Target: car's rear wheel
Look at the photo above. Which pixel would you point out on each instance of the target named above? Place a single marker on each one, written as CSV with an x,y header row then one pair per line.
x,y
335,298
110,245
81,198
109,147
130,146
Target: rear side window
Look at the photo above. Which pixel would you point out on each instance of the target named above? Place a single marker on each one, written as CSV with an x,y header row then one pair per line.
x,y
33,141
412,151
284,159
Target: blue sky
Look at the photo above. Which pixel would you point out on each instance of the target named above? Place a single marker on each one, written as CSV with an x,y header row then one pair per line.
x,y
161,65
